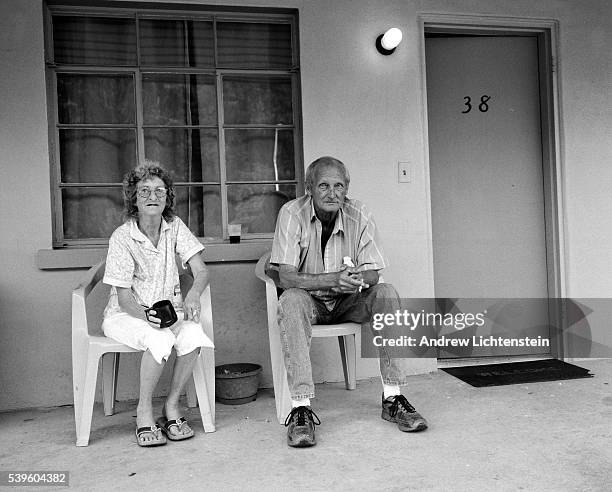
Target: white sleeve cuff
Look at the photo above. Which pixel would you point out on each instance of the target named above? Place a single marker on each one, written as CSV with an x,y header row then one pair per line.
x,y
117,282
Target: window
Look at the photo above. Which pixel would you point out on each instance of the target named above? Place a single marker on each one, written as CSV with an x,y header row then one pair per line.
x,y
212,95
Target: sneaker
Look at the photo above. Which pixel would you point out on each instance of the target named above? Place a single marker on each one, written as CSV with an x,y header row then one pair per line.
x,y
397,409
301,427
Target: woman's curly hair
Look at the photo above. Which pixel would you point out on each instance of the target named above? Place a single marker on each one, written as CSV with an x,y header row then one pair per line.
x,y
148,170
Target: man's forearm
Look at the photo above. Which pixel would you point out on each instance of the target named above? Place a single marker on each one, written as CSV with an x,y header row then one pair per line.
x,y
308,281
322,281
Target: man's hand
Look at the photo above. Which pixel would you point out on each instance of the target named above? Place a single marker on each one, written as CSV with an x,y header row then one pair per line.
x,y
344,281
349,281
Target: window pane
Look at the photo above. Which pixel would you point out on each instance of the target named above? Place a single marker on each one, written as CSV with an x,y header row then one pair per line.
x,y
103,112
94,40
191,155
201,44
257,100
96,156
259,155
254,45
91,212
256,206
200,208
162,42
168,98
95,98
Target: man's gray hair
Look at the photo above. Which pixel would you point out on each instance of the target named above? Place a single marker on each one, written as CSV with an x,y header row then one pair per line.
x,y
325,161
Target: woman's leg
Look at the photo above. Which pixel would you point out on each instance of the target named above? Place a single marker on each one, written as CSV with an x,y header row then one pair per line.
x,y
189,339
150,372
156,346
183,367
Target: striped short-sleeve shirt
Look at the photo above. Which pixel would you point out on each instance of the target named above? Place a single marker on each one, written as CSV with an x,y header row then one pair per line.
x,y
297,241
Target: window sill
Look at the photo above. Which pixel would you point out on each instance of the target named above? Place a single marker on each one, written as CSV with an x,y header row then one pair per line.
x,y
72,258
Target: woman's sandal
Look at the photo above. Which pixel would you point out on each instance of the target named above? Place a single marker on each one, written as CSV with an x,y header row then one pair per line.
x,y
166,425
154,431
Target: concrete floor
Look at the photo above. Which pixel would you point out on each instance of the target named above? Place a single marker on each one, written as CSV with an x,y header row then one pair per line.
x,y
553,436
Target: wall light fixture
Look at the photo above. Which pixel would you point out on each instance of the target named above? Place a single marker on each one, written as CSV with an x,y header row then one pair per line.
x,y
387,42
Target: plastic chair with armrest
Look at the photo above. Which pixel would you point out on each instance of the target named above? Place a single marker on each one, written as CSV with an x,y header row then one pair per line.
x,y
344,331
87,349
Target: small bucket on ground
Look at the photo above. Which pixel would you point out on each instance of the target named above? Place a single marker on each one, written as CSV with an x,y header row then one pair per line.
x,y
236,384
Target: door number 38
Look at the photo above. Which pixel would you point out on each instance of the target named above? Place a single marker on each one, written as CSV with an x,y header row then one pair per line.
x,y
483,107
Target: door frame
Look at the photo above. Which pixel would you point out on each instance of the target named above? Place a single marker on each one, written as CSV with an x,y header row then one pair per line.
x,y
546,31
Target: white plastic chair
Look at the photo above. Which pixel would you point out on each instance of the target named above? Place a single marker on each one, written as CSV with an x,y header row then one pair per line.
x,y
344,331
87,349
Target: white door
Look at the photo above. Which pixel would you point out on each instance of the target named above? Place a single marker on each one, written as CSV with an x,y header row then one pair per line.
x,y
486,177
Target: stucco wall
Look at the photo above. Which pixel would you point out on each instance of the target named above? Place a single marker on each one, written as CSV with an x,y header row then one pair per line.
x,y
357,105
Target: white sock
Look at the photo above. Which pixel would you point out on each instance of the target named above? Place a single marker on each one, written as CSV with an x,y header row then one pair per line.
x,y
304,402
391,390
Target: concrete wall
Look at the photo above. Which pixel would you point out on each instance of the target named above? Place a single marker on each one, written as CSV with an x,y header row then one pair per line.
x,y
361,107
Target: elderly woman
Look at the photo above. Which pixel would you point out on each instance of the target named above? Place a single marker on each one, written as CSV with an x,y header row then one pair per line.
x,y
141,269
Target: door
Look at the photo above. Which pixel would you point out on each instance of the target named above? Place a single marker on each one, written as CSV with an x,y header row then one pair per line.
x,y
486,178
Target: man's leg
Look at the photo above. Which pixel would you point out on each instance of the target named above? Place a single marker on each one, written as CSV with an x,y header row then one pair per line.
x,y
296,313
360,307
297,310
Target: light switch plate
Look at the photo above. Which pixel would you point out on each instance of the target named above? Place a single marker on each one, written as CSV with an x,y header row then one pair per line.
x,y
404,172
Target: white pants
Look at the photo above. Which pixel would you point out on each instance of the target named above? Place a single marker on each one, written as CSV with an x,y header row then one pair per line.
x,y
184,335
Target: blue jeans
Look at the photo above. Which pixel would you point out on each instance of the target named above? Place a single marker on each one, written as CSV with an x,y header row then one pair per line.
x,y
298,311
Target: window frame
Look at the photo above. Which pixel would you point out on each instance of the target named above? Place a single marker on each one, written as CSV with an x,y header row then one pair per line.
x,y
137,10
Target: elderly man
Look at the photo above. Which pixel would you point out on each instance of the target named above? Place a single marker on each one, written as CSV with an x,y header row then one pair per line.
x,y
314,236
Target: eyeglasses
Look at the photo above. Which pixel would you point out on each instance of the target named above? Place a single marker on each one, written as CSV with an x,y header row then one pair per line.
x,y
146,192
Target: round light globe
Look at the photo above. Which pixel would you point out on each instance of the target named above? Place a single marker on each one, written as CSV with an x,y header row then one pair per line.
x,y
391,39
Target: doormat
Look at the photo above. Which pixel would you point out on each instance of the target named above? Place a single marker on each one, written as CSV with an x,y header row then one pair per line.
x,y
518,372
